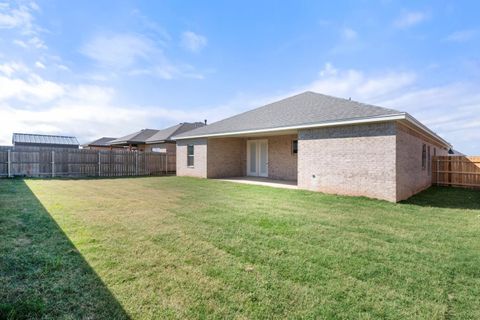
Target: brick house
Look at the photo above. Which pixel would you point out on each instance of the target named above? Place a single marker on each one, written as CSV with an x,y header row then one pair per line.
x,y
102,143
322,143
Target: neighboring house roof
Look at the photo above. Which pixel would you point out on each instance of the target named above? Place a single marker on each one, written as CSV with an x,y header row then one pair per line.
x,y
305,110
28,138
102,142
166,134
136,137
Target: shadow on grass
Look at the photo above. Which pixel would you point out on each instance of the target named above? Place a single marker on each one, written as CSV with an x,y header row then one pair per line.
x,y
42,275
447,197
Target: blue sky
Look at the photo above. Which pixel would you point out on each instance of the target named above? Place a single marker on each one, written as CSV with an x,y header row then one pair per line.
x,y
107,68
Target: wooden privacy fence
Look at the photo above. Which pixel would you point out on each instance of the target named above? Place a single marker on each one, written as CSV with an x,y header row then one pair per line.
x,y
57,162
456,171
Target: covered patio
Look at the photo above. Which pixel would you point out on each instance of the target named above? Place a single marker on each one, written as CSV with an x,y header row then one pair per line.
x,y
254,157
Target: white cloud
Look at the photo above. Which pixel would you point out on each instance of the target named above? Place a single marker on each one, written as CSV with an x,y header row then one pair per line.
x,y
40,65
409,19
135,54
19,17
461,36
193,41
87,118
36,42
118,50
354,83
12,67
349,34
62,67
30,103
329,70
20,43
34,89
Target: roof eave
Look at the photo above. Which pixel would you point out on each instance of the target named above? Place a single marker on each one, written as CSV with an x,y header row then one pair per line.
x,y
420,125
127,142
392,117
159,141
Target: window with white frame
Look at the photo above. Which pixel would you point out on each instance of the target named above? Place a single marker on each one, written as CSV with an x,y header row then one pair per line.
x,y
190,155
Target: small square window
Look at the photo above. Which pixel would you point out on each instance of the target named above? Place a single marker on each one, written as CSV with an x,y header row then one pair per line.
x,y
190,155
295,146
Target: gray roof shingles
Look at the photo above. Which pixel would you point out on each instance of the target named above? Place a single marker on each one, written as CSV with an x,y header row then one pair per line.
x,y
43,139
155,136
166,134
302,109
103,141
136,137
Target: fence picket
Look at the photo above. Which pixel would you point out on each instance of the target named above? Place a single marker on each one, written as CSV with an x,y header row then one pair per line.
x,y
457,171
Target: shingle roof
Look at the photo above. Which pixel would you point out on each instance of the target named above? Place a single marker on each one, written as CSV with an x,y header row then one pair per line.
x,y
43,139
166,134
104,142
136,137
302,109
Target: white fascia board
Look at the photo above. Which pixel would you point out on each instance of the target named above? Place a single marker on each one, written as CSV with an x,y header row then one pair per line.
x,y
420,125
393,117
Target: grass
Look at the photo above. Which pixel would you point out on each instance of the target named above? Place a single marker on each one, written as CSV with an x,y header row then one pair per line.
x,y
172,247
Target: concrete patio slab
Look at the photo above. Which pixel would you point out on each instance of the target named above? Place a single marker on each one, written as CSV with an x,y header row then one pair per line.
x,y
285,184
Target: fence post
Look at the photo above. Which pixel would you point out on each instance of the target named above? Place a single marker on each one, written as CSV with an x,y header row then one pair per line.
x,y
166,163
99,163
53,163
9,164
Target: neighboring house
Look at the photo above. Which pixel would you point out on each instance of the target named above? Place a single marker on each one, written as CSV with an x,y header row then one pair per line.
x,y
324,143
134,141
162,140
99,144
43,140
155,140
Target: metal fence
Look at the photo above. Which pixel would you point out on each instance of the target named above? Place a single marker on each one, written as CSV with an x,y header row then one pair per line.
x,y
58,162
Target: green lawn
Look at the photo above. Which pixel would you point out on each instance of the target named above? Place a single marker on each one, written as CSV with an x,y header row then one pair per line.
x,y
171,247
